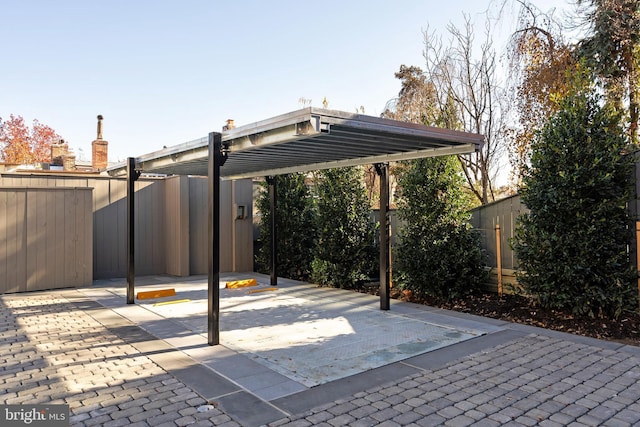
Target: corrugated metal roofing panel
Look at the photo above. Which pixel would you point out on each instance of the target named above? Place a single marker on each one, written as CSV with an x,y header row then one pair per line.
x,y
309,139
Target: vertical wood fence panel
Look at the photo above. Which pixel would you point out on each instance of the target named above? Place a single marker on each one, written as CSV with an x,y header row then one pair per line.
x,y
43,244
177,225
198,220
485,218
198,217
6,239
242,228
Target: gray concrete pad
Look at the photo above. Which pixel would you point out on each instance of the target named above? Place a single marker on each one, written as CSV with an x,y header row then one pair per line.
x,y
297,331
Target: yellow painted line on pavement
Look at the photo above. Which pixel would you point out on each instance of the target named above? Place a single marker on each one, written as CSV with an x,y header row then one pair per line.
x,y
254,291
177,301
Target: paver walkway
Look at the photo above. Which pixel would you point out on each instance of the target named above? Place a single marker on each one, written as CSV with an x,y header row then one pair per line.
x,y
55,348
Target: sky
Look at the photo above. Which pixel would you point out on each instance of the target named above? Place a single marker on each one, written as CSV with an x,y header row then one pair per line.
x,y
166,72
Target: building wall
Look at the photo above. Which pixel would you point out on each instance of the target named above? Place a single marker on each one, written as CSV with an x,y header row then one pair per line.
x,y
46,238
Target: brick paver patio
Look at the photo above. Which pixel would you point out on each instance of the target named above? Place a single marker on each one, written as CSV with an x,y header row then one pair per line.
x,y
55,351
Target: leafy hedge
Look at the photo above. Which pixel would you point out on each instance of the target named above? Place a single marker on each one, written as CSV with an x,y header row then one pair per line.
x,y
347,249
295,222
438,254
327,236
572,247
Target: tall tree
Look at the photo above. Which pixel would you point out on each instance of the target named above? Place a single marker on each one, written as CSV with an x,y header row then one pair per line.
x,y
613,50
541,62
417,100
466,77
437,253
20,144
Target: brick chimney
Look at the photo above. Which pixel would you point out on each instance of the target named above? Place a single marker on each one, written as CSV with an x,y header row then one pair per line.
x,y
230,125
99,149
69,162
58,151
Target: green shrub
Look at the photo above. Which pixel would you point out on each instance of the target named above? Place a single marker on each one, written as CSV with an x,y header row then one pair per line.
x,y
346,251
572,247
438,253
295,225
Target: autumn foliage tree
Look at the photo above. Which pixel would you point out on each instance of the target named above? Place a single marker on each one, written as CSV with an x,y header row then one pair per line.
x,y
21,144
540,63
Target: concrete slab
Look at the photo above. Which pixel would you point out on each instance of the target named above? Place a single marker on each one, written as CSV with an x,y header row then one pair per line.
x,y
308,334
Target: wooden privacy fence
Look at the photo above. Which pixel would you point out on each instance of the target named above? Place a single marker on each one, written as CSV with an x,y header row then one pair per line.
x,y
171,226
496,223
46,238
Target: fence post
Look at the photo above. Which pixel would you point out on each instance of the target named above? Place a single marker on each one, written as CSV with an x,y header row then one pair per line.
x,y
499,259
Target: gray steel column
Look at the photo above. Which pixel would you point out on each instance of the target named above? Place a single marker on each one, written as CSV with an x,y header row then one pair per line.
x,y
273,203
383,169
216,159
132,177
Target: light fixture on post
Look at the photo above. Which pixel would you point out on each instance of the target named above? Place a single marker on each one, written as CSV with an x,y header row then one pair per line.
x,y
241,212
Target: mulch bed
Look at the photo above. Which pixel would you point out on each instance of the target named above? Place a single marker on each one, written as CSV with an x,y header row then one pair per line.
x,y
519,309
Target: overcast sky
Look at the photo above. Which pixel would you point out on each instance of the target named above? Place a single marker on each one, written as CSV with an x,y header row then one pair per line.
x,y
167,72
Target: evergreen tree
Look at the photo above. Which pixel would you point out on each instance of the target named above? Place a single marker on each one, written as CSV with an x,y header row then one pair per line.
x,y
346,253
295,228
438,253
612,49
572,247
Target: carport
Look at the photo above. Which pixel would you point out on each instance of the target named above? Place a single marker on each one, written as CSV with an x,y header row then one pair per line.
x,y
300,141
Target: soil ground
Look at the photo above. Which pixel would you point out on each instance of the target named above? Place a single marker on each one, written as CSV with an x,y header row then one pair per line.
x,y
515,308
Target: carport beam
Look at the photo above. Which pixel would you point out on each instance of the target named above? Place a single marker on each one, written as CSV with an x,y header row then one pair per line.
x,y
217,158
383,169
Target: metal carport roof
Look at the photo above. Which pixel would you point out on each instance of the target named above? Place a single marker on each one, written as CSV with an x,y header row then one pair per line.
x,y
308,139
304,140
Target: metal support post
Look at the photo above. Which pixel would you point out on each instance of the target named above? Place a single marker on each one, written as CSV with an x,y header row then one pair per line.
x,y
132,177
273,203
499,258
382,169
217,157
